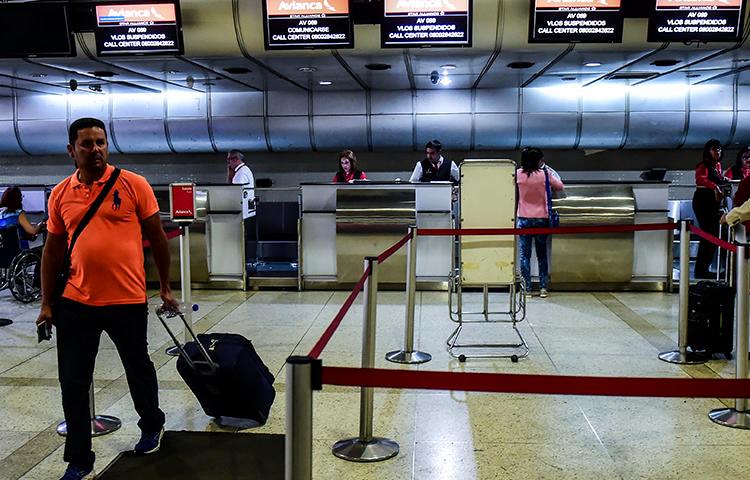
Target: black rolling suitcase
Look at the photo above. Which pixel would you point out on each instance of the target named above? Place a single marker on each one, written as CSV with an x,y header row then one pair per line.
x,y
225,373
711,317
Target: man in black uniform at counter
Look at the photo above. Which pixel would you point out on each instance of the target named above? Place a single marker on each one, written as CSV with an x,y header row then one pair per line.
x,y
434,167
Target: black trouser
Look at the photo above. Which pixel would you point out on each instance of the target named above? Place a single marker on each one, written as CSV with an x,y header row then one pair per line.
x,y
706,210
79,328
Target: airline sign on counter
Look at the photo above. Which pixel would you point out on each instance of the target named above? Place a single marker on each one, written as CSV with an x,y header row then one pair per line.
x,y
696,20
147,28
584,21
426,23
293,24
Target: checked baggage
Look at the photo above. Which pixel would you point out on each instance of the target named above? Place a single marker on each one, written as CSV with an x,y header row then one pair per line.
x,y
711,317
225,373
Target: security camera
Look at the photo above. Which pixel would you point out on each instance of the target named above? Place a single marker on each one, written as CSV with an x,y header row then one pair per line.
x,y
434,77
73,84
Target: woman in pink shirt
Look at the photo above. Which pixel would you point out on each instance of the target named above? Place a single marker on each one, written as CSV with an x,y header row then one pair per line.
x,y
531,180
348,171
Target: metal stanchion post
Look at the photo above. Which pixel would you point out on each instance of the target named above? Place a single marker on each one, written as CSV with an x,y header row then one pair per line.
x,y
738,417
298,441
408,354
367,448
100,424
681,355
185,285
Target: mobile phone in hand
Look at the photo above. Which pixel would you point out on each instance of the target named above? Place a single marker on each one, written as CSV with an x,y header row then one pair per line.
x,y
43,332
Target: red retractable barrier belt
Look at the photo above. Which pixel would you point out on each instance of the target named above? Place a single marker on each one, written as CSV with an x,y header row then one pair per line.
x,y
433,232
384,256
326,337
710,238
539,384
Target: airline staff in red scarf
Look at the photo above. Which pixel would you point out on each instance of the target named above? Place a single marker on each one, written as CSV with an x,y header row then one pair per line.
x,y
706,203
348,171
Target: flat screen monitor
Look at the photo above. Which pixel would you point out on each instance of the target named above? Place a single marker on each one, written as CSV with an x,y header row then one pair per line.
x,y
575,21
307,25
144,28
426,23
696,21
38,29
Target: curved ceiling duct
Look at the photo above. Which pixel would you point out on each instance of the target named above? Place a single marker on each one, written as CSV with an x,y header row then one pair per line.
x,y
228,92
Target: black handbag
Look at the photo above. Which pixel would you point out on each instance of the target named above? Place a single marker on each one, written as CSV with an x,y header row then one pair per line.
x,y
61,279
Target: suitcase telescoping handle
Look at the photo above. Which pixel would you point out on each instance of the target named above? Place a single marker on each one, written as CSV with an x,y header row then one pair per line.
x,y
212,366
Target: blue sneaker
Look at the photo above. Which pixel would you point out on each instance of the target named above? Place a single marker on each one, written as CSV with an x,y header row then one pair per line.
x,y
75,472
149,442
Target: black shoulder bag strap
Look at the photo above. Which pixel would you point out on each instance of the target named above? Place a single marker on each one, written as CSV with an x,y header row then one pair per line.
x,y
65,270
92,210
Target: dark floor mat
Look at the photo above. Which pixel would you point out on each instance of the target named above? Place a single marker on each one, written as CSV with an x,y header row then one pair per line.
x,y
204,455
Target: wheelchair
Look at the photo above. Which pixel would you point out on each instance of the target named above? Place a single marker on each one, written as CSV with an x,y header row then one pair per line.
x,y
19,268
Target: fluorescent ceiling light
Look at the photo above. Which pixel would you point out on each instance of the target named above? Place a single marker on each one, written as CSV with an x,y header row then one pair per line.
x,y
592,64
325,82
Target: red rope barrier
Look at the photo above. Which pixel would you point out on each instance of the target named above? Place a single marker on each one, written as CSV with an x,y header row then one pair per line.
x,y
710,238
385,255
328,334
539,384
438,232
170,235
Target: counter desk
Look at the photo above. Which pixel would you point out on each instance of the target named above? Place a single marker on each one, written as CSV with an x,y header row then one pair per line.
x,y
616,261
343,223
217,238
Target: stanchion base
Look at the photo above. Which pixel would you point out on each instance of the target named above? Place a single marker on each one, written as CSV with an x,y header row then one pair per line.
x,y
172,351
4,322
402,356
100,425
729,417
355,450
687,358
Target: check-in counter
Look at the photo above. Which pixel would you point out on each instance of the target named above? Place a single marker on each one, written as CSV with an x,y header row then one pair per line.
x,y
217,238
343,223
639,260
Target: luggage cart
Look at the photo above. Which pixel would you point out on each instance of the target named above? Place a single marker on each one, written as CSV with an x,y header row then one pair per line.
x,y
487,200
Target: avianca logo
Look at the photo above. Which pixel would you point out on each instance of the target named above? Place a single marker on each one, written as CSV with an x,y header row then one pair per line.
x,y
136,13
317,7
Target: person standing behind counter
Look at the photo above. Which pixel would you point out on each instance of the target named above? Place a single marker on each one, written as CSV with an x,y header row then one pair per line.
x,y
741,168
347,170
706,203
434,167
238,173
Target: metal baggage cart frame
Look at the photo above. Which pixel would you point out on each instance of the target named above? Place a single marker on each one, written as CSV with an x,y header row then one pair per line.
x,y
505,253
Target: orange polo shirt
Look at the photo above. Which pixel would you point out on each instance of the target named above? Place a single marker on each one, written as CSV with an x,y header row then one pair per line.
x,y
107,260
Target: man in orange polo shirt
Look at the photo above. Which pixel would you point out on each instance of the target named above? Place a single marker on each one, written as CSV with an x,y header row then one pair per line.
x,y
106,290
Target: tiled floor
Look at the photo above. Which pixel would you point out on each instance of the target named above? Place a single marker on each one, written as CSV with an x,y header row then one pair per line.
x,y
442,434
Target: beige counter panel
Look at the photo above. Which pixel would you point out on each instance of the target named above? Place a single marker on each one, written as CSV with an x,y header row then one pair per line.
x,y
488,189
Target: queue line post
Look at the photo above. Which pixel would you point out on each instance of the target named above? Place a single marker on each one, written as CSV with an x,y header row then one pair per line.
x,y
186,293
366,447
299,419
100,424
408,354
738,417
682,355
